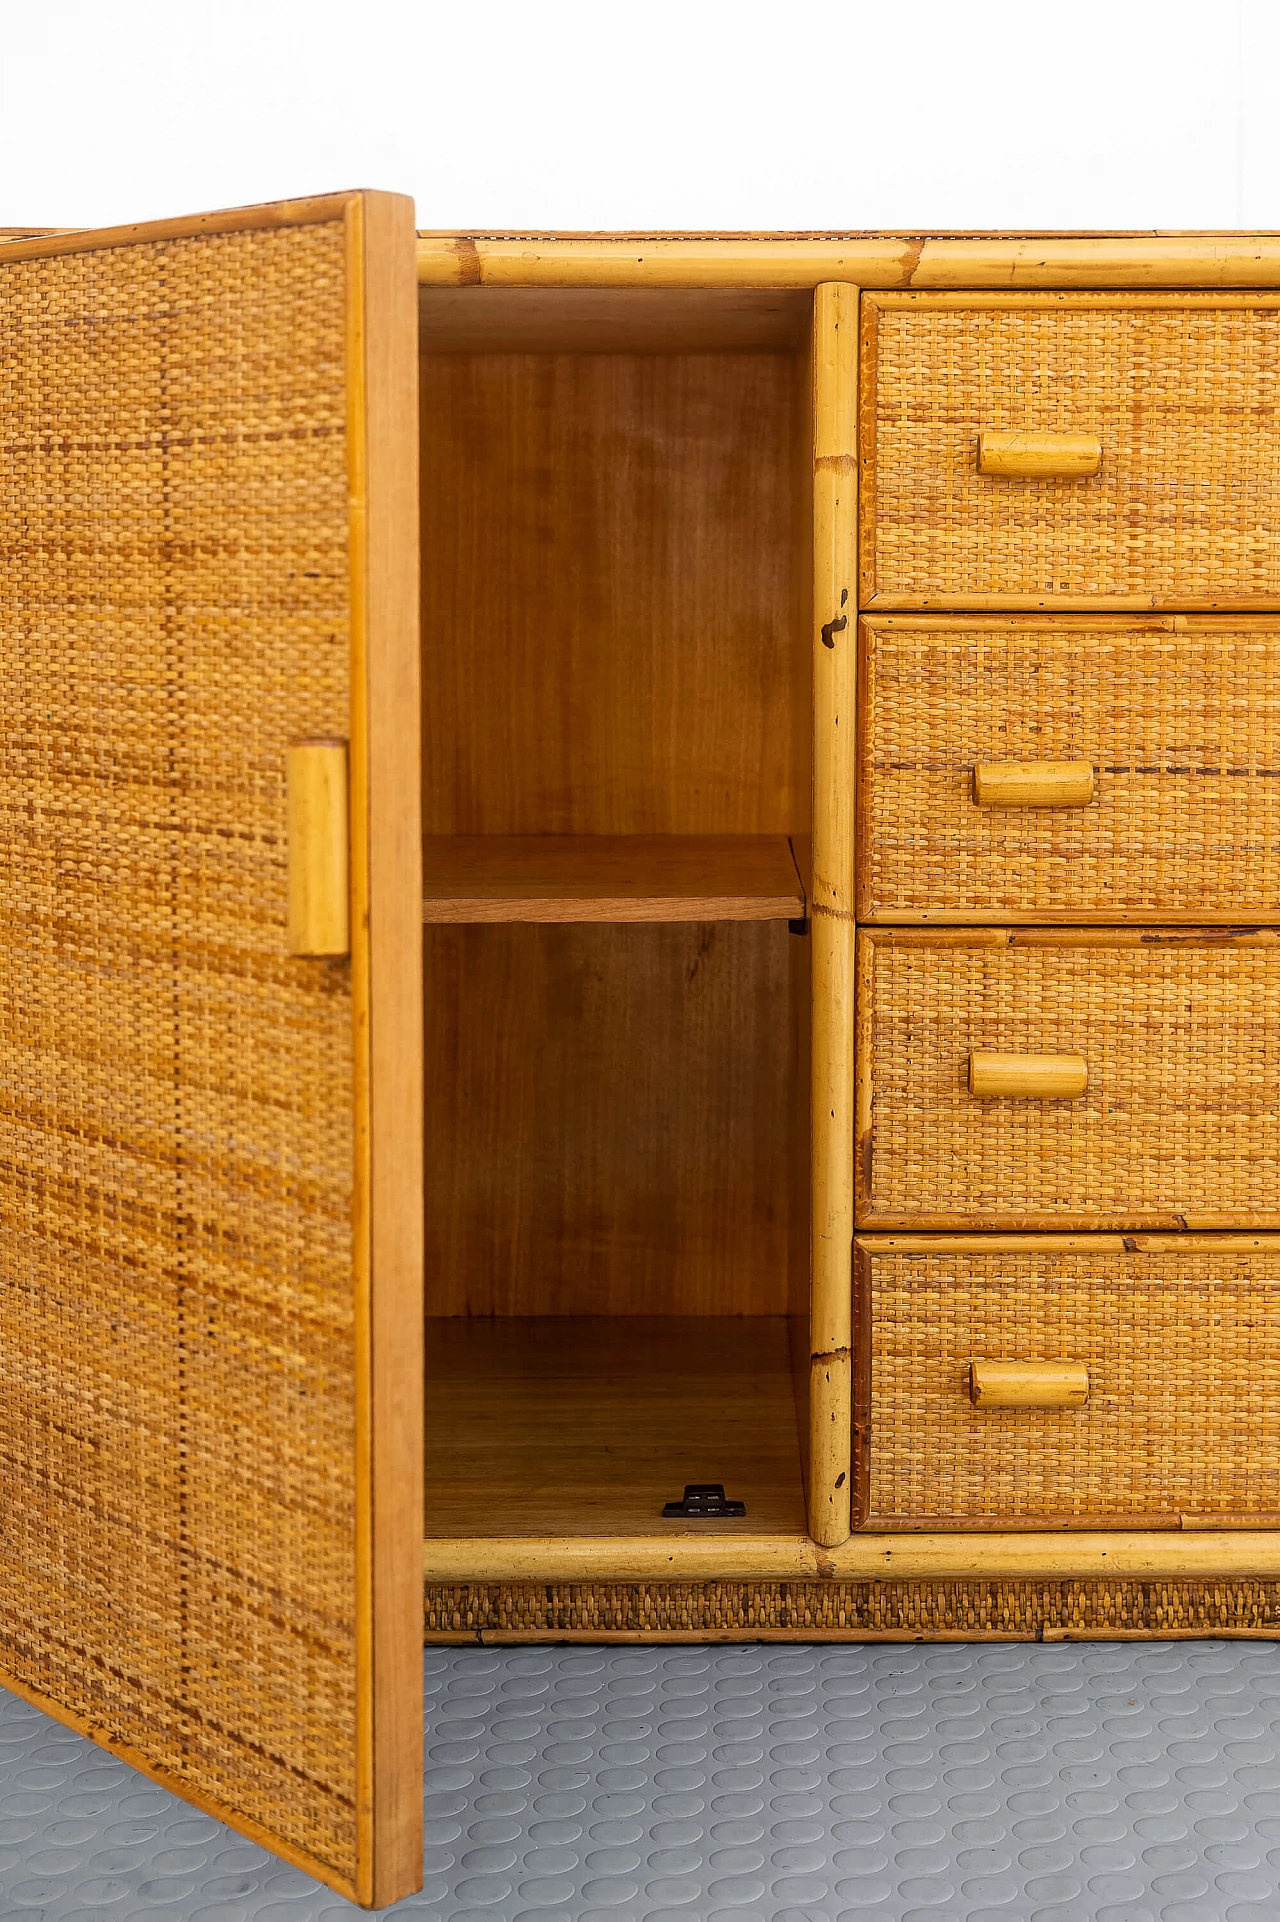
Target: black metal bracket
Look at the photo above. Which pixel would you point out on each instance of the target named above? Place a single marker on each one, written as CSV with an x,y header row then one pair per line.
x,y
704,1502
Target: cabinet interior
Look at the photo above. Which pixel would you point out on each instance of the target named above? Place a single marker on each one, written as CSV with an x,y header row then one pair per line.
x,y
616,794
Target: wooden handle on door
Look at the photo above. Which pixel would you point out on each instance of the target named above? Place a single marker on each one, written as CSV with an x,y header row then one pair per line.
x,y
1046,1077
318,831
1033,784
1028,1384
1021,454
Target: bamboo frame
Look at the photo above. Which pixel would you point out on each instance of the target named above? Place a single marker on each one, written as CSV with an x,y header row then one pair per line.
x,y
1194,1553
386,889
834,618
997,261
520,1637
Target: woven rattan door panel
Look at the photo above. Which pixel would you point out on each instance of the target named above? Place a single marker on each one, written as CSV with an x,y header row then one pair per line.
x,y
1179,718
1181,392
1179,1125
1182,1348
192,1268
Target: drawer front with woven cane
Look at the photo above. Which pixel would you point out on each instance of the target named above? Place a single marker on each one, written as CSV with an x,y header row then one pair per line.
x,y
1044,1079
1081,1383
1067,769
1069,450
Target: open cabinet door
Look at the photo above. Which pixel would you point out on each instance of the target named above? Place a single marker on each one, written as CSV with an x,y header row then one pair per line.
x,y
210,1146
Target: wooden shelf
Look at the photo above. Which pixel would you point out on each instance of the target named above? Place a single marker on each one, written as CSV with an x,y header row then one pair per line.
x,y
610,877
571,1427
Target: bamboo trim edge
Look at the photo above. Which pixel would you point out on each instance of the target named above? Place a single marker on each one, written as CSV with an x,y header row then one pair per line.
x,y
831,894
1193,1553
881,262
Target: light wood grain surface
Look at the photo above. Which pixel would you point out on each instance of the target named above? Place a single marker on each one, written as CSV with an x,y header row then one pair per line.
x,y
610,877
585,1428
386,970
611,320
608,1125
614,584
319,845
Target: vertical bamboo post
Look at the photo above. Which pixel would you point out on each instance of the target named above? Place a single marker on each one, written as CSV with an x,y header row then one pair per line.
x,y
835,622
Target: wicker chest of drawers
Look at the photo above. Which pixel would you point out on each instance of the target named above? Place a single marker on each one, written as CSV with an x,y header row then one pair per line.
x,y
1067,854
640,982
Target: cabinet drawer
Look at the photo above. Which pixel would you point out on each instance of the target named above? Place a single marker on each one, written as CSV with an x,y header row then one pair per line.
x,y
1180,395
1178,1040
1178,719
1180,1339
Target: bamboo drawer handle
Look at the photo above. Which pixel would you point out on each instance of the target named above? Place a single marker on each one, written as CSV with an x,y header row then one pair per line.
x,y
1018,454
1033,784
316,809
1028,1384
1048,1077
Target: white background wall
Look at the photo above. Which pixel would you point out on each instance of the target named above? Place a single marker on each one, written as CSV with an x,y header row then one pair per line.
x,y
714,114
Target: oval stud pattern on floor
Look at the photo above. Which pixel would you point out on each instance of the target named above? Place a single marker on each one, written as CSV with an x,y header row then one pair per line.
x,y
1088,1782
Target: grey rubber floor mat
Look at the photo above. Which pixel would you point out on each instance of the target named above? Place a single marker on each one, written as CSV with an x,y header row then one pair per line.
x,y
1092,1782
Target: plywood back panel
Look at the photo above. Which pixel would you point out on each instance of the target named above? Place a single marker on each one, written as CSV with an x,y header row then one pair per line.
x,y
607,1119
614,624
611,320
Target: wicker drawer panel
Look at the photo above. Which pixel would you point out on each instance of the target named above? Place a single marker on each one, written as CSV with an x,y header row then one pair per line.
x,y
1179,718
1183,394
1180,1122
1182,1346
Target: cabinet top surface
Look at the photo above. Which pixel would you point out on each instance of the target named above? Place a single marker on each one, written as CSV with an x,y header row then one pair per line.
x,y
1152,258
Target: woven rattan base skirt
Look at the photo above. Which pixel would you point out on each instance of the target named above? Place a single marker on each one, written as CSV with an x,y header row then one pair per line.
x,y
833,1611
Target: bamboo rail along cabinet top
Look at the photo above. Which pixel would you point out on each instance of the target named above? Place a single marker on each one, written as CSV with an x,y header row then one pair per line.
x,y
633,866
